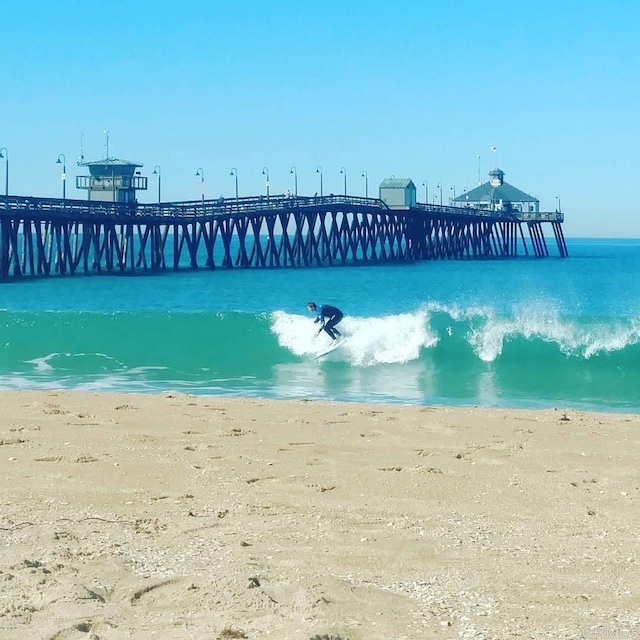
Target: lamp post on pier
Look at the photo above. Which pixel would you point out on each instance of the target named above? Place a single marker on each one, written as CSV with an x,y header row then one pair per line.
x,y
156,172
365,175
5,154
453,189
265,172
319,170
559,206
200,172
63,162
440,187
234,173
344,172
294,171
425,184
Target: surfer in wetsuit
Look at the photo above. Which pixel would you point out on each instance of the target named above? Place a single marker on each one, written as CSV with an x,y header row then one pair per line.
x,y
329,317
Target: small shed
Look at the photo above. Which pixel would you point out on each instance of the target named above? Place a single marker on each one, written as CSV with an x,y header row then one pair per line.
x,y
398,193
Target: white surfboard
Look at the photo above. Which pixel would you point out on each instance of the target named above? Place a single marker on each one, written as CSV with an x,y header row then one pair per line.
x,y
330,349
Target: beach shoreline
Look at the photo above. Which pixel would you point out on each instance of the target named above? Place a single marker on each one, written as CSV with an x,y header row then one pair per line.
x,y
181,516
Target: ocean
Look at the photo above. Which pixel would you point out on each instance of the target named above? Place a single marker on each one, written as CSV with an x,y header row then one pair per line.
x,y
527,332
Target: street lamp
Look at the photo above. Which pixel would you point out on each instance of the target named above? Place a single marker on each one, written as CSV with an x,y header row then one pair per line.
x,y
365,175
5,154
440,187
265,172
200,172
453,188
295,180
63,162
344,172
559,207
319,170
425,184
234,172
479,180
156,172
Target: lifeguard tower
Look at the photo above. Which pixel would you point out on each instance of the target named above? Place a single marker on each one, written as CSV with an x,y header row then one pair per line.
x,y
112,180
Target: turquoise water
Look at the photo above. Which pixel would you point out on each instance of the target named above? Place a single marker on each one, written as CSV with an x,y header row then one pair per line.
x,y
523,333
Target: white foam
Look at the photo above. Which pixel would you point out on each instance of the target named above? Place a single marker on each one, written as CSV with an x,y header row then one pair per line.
x,y
296,333
42,364
378,340
47,363
488,332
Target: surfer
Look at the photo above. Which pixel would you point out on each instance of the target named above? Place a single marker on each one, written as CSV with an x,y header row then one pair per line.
x,y
328,317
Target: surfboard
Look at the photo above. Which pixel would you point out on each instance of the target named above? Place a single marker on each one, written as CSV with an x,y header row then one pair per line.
x,y
330,349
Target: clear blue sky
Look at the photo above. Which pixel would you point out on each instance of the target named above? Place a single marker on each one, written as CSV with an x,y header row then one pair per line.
x,y
416,89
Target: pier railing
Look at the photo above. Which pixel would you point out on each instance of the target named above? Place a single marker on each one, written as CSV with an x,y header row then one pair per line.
x,y
71,209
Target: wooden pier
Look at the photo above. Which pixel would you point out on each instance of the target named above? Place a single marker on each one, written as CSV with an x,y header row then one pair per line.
x,y
50,236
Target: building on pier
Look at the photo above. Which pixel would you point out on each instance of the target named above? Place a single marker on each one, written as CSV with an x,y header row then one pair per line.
x,y
398,193
112,180
498,195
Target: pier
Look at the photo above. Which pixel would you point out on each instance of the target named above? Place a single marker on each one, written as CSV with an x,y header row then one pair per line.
x,y
57,236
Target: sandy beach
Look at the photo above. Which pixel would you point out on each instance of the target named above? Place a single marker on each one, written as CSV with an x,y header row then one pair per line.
x,y
174,516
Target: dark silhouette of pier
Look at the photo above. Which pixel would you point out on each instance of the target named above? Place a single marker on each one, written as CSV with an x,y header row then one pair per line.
x,y
54,236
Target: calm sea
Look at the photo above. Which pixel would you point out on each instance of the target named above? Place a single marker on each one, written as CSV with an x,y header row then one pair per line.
x,y
520,333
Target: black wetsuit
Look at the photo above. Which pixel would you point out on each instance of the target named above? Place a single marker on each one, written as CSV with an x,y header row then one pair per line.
x,y
329,317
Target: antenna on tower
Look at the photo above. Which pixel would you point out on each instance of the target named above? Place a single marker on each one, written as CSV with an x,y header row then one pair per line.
x,y
106,144
81,154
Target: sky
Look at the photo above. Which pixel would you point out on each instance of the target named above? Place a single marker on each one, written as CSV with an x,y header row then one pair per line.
x,y
416,90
